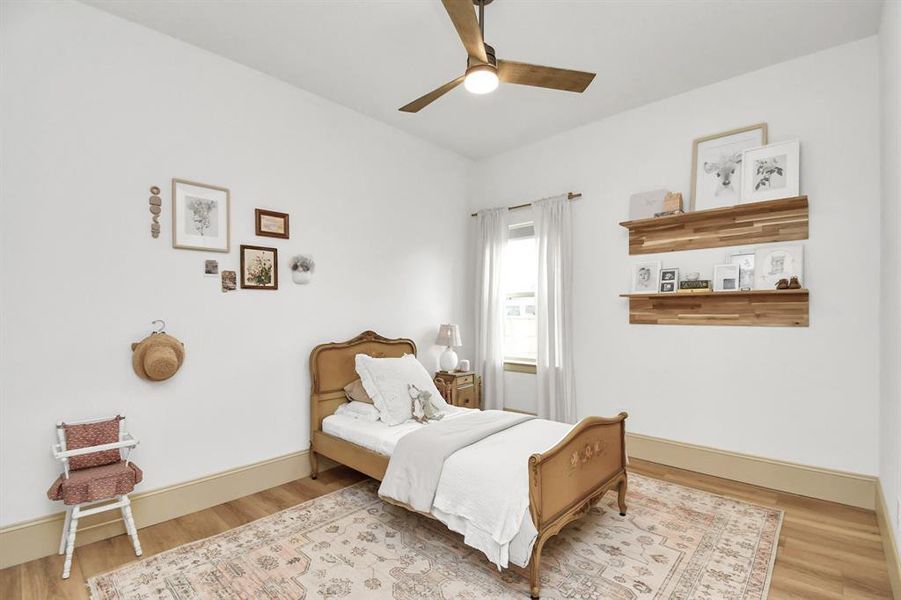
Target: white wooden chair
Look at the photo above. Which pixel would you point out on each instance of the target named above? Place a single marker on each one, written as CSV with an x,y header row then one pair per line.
x,y
96,476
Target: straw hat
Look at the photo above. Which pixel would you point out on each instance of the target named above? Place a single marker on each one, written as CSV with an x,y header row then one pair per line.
x,y
157,357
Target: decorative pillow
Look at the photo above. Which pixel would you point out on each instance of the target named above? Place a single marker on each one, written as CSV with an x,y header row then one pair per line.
x,y
355,391
359,410
386,381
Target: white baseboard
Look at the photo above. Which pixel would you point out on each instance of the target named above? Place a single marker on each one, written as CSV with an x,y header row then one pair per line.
x,y
826,484
40,537
889,543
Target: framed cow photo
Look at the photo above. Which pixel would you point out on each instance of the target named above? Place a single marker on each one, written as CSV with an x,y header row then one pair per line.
x,y
716,166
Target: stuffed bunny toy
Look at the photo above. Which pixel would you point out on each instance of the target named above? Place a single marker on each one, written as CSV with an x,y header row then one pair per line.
x,y
423,409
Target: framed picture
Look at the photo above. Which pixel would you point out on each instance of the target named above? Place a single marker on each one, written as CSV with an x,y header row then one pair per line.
x,y
271,224
773,263
669,280
259,268
199,216
211,268
646,278
725,278
229,281
770,172
745,261
716,166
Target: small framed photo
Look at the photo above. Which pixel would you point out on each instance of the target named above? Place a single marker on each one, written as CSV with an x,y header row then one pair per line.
x,y
259,268
229,281
770,172
211,268
199,216
716,162
669,280
725,278
773,263
271,224
646,278
745,261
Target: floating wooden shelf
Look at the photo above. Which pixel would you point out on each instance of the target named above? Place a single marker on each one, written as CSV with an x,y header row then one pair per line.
x,y
780,220
760,308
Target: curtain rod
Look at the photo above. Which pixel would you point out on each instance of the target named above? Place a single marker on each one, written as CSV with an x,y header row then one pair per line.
x,y
569,196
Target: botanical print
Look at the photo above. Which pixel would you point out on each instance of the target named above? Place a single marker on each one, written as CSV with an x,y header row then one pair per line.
x,y
259,267
769,173
676,543
201,217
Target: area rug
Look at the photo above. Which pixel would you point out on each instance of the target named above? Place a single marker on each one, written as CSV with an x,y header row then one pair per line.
x,y
675,543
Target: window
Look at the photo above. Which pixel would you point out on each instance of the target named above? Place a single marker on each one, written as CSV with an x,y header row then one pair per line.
x,y
520,280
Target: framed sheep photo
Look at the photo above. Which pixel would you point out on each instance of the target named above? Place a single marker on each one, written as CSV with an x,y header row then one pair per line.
x,y
716,166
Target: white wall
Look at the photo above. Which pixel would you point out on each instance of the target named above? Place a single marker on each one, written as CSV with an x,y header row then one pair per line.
x,y
95,111
808,395
890,297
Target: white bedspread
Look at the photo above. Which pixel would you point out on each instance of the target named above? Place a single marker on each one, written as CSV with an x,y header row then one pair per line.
x,y
484,490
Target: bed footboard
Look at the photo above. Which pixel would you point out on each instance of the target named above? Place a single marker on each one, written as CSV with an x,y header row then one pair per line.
x,y
570,478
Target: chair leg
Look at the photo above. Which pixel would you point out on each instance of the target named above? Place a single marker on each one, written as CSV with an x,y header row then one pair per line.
x,y
621,495
65,533
70,540
130,525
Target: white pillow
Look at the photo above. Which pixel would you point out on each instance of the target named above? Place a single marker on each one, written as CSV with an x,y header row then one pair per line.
x,y
386,381
359,410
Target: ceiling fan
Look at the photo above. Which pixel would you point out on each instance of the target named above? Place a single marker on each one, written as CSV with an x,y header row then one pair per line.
x,y
484,70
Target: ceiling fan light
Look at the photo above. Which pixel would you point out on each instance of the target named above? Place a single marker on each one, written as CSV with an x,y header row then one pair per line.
x,y
481,79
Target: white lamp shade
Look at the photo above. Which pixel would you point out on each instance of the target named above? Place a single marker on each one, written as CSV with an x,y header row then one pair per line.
x,y
449,335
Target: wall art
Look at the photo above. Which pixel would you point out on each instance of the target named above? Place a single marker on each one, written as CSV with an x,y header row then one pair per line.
x,y
229,281
771,172
156,207
646,278
716,166
211,268
200,216
271,224
259,268
669,280
773,263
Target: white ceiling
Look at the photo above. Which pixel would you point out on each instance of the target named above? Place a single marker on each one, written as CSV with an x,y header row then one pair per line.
x,y
375,56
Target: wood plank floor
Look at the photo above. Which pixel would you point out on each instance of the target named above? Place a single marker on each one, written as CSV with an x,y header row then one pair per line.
x,y
826,550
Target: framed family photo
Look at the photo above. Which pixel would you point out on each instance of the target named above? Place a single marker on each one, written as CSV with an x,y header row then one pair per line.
x,y
725,278
771,172
259,268
271,224
669,280
716,171
200,218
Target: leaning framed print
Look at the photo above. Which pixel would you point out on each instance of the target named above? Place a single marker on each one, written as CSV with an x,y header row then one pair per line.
x,y
716,166
771,172
200,216
259,268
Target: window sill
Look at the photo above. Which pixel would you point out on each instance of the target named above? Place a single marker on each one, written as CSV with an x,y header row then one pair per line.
x,y
520,367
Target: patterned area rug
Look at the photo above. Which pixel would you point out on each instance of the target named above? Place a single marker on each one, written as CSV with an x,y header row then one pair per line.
x,y
675,543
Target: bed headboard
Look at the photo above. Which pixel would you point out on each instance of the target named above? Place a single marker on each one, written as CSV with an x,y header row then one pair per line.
x,y
332,367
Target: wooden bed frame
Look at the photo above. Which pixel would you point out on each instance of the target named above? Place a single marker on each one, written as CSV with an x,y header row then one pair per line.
x,y
564,482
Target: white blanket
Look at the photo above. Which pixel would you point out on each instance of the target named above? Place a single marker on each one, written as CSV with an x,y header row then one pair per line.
x,y
415,468
484,490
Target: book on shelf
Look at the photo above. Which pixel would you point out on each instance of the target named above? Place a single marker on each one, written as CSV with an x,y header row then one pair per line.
x,y
701,285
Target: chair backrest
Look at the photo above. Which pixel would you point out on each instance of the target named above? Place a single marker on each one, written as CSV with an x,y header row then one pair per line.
x,y
83,434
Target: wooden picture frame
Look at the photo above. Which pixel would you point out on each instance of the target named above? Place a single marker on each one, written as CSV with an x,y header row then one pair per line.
x,y
740,145
256,278
271,224
191,228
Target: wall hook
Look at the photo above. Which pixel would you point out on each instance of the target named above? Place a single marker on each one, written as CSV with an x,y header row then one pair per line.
x,y
161,328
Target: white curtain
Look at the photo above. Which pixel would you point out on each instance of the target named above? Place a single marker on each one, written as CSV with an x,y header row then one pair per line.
x,y
553,237
489,313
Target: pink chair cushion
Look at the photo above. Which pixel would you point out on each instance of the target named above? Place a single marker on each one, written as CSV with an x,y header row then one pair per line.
x,y
96,483
92,434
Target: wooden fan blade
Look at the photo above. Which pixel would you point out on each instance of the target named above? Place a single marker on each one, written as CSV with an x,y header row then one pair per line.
x,y
463,15
511,71
420,103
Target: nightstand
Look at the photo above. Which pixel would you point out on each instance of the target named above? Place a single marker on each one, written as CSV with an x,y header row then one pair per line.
x,y
460,388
